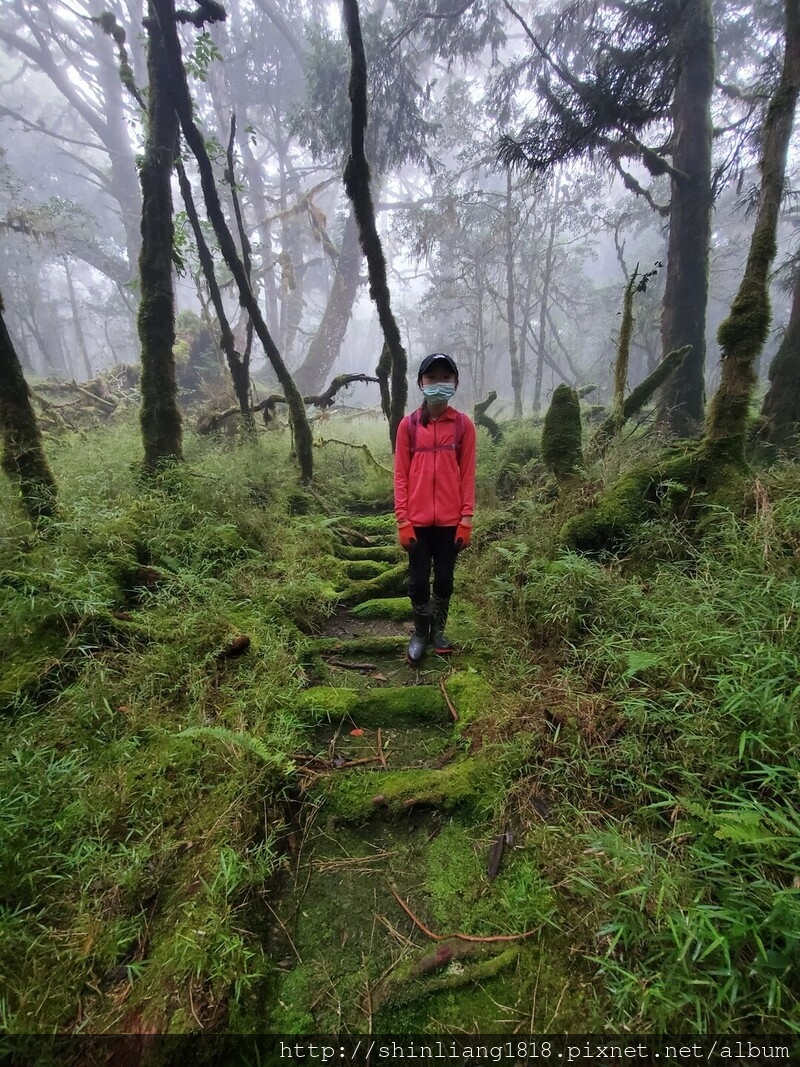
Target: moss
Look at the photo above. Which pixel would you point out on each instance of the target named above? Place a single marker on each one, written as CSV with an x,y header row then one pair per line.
x,y
397,609
332,646
403,986
363,568
471,695
382,553
561,434
356,797
373,524
391,581
374,707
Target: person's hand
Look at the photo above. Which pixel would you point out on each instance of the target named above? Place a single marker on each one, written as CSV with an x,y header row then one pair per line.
x,y
463,534
406,535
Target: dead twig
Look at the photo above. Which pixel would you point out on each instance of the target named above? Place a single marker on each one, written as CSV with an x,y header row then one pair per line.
x,y
348,665
448,701
458,937
381,755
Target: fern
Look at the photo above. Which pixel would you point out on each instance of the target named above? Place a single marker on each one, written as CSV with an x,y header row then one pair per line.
x,y
243,740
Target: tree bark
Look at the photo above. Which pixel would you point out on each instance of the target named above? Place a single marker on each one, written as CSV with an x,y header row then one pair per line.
x,y
183,103
327,342
23,453
543,302
356,183
743,333
686,291
160,416
516,376
781,407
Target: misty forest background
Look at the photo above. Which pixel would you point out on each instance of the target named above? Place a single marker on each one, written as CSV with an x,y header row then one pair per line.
x,y
227,238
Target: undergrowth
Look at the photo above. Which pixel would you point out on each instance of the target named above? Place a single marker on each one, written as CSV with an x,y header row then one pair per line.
x,y
644,708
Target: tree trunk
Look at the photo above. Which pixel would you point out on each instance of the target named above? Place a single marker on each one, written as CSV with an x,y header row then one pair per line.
x,y
356,183
183,103
781,407
743,333
327,342
76,322
686,292
160,416
543,302
23,453
516,377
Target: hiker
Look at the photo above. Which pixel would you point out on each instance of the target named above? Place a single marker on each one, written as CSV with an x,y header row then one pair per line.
x,y
434,499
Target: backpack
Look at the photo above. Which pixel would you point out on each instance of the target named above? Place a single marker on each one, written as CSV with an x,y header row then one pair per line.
x,y
458,435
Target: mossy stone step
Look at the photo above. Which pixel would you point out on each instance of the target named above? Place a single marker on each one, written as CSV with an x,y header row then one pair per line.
x,y
351,646
380,553
357,796
398,609
356,569
390,582
393,705
416,746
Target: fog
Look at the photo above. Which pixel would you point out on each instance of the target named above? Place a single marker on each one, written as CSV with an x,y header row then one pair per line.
x,y
456,233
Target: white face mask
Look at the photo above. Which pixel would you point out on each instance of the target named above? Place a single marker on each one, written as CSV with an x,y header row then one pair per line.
x,y
439,391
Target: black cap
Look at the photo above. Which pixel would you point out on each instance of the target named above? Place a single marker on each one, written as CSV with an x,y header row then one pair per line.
x,y
428,361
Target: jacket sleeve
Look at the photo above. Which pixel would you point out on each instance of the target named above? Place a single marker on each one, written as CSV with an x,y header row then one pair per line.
x,y
467,468
402,465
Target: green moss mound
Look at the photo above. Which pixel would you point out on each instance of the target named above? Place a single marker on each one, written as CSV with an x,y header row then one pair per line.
x,y
374,707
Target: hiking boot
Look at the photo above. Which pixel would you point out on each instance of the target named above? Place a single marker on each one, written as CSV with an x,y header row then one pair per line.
x,y
439,639
422,632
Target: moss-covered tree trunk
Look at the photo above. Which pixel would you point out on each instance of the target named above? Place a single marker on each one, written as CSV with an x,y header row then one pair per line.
x,y
211,12
561,435
160,416
356,183
781,407
686,293
743,333
23,452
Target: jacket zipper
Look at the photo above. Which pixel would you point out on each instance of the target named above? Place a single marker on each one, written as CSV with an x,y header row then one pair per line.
x,y
434,470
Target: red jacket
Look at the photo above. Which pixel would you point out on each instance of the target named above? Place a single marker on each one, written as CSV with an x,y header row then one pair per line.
x,y
434,487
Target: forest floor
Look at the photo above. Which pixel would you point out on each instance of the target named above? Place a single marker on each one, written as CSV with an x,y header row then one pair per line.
x,y
228,805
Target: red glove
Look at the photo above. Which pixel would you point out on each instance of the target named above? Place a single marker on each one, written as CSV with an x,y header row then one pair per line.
x,y
406,535
463,534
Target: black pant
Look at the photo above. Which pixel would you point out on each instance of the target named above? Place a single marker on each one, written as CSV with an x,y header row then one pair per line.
x,y
435,545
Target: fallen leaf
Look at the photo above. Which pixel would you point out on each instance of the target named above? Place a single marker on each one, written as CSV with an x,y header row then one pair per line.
x,y
378,677
356,733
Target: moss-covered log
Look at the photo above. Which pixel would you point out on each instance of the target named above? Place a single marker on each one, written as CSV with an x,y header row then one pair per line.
x,y
391,706
391,582
561,435
431,972
382,553
357,186
743,333
463,784
640,396
397,609
23,451
160,416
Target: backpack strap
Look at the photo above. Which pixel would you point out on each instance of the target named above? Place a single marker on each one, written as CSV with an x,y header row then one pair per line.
x,y
458,435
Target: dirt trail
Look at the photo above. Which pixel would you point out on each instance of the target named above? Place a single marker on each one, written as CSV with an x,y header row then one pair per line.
x,y
391,839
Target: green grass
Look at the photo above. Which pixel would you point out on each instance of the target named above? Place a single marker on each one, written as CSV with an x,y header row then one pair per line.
x,y
635,723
